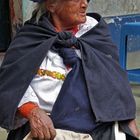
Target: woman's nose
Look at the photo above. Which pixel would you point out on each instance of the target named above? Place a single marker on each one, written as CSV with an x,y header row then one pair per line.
x,y
84,3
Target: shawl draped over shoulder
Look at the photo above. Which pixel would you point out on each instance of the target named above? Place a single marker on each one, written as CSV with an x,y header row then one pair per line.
x,y
108,87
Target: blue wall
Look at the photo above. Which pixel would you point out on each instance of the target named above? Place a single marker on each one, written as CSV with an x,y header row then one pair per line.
x,y
115,24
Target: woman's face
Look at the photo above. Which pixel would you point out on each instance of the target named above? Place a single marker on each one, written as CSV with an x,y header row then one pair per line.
x,y
69,13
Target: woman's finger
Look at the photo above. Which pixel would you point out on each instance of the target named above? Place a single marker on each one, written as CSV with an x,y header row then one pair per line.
x,y
52,133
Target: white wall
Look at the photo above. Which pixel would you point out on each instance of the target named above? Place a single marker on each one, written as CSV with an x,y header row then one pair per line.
x,y
114,7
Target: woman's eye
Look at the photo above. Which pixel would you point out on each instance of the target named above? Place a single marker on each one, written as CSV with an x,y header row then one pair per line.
x,y
75,0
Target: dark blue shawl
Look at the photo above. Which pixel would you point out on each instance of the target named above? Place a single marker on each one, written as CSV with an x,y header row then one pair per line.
x,y
107,84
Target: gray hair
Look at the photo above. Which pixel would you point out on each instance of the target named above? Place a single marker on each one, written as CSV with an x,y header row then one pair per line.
x,y
41,9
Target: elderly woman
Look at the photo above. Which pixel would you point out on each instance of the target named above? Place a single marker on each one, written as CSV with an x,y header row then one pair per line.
x,y
64,80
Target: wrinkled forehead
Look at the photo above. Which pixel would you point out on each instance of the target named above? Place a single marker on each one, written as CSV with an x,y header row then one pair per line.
x,y
39,1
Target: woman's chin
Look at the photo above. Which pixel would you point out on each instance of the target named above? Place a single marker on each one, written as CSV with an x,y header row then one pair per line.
x,y
83,19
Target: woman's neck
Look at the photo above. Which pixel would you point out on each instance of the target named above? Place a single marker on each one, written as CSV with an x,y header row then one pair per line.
x,y
59,27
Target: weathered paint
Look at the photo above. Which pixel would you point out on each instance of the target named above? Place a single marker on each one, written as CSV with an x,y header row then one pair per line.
x,y
115,7
116,22
16,15
133,43
27,9
129,49
20,12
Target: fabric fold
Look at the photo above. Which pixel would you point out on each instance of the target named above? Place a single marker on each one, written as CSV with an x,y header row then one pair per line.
x,y
105,80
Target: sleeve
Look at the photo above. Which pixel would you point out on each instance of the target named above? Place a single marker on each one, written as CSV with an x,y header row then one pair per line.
x,y
29,96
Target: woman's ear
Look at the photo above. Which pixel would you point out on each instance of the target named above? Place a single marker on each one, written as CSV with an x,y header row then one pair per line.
x,y
51,7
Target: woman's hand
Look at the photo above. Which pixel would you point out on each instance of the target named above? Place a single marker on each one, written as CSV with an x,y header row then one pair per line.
x,y
133,127
41,125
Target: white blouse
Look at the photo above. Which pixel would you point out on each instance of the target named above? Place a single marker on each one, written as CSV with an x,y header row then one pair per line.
x,y
44,89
